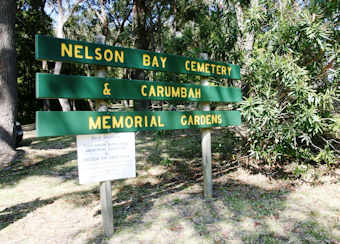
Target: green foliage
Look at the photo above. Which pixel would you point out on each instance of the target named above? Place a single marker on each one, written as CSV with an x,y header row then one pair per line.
x,y
291,70
293,77
30,20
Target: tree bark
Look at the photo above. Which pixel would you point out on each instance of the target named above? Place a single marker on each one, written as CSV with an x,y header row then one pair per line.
x,y
64,103
8,86
141,42
62,18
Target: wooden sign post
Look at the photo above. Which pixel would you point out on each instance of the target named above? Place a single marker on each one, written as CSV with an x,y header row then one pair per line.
x,y
105,186
206,145
55,123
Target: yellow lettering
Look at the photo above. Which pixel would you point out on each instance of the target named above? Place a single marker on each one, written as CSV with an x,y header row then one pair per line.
x,y
193,63
167,91
106,90
200,67
87,56
117,124
77,49
66,50
146,120
159,122
108,55
98,53
142,90
219,119
207,68
138,121
218,69
183,92
155,62
183,120
160,91
212,68
153,121
187,65
163,60
224,70
191,93
190,121
208,119
119,56
94,125
146,60
214,119
175,91
152,91
196,119
128,122
198,92
105,122
229,70
202,119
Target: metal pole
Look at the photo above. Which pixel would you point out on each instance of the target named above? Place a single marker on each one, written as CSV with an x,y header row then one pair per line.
x,y
206,145
105,187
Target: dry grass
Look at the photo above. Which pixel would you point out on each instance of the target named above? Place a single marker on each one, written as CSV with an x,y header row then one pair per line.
x,y
42,202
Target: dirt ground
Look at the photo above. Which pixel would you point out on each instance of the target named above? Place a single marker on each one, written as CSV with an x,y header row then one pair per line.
x,y
41,200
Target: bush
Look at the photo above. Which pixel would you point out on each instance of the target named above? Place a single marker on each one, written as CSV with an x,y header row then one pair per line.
x,y
292,79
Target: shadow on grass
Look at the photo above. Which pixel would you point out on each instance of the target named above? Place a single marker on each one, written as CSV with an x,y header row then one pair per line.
x,y
49,167
247,210
14,213
244,208
43,143
19,211
238,211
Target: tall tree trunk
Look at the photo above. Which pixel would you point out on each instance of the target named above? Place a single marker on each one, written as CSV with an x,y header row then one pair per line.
x,y
141,42
62,18
64,103
8,83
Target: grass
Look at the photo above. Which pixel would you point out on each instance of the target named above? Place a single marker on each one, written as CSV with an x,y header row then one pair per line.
x,y
42,202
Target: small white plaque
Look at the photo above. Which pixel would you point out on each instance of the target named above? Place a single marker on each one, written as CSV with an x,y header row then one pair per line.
x,y
103,157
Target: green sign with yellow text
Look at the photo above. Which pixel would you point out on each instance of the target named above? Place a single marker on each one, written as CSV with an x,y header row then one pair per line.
x,y
55,49
56,123
67,86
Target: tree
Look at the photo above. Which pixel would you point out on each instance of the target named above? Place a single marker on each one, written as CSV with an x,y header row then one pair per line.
x,y
30,20
8,92
63,15
293,73
142,39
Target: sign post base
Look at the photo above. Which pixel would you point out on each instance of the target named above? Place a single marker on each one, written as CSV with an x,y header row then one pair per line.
x,y
106,205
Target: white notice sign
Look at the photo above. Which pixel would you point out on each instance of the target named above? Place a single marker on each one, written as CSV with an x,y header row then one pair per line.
x,y
103,157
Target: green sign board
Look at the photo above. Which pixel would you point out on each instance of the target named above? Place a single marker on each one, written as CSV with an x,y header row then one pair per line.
x,y
55,49
56,123
65,86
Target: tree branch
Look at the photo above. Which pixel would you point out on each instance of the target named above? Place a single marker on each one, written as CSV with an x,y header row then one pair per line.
x,y
122,26
73,9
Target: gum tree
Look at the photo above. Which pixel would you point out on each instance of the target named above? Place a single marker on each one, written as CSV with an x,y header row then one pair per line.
x,y
8,88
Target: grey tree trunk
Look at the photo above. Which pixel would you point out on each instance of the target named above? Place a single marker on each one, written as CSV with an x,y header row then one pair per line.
x,y
62,18
141,42
64,103
8,83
